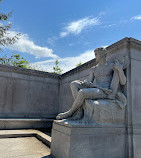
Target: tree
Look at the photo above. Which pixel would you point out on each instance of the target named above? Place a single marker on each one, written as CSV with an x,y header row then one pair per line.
x,y
56,68
79,64
5,40
14,60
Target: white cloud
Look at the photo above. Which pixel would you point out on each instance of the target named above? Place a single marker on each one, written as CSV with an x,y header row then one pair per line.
x,y
67,63
26,45
76,27
138,17
108,26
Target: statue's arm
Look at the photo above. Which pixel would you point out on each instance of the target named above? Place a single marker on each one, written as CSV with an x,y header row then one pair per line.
x,y
122,77
119,68
90,79
91,76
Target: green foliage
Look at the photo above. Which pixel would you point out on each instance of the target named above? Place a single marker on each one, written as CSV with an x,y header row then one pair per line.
x,y
14,60
34,67
56,68
5,39
79,64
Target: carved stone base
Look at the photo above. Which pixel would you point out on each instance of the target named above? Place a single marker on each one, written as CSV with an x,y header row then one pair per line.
x,y
103,111
87,141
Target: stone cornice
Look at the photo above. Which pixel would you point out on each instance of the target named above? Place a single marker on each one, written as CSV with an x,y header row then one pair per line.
x,y
135,43
20,70
84,66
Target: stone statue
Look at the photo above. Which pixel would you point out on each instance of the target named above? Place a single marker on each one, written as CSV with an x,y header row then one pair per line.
x,y
101,90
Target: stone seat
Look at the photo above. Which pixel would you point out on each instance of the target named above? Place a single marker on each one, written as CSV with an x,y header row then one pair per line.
x,y
25,123
103,111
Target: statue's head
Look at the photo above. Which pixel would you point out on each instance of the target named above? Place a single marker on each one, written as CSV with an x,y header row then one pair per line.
x,y
100,53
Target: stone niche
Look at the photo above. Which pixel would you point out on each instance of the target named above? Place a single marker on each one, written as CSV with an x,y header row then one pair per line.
x,y
119,139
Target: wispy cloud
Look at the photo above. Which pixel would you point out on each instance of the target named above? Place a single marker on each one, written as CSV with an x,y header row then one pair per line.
x,y
108,26
26,45
138,17
67,63
51,40
76,27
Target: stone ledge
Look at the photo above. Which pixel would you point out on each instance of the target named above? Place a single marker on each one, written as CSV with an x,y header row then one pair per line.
x,y
76,124
68,128
25,123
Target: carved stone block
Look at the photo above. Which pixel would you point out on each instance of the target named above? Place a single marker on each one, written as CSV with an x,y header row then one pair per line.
x,y
103,111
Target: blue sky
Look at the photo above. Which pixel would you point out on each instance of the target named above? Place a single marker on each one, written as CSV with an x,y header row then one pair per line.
x,y
69,30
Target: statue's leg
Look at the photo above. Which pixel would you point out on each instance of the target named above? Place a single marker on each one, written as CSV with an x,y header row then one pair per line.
x,y
78,114
75,87
114,85
86,93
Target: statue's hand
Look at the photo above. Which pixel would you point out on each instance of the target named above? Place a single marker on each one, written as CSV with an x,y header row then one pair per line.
x,y
92,85
117,65
86,83
89,84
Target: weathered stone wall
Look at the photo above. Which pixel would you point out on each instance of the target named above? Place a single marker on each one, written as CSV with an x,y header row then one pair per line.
x,y
136,87
28,93
135,99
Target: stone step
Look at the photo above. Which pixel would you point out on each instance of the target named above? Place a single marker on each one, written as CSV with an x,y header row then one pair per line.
x,y
18,123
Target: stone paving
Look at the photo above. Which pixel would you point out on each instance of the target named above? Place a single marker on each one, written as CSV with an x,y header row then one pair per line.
x,y
23,147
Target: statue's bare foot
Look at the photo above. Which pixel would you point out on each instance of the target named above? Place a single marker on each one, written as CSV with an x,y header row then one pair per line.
x,y
63,115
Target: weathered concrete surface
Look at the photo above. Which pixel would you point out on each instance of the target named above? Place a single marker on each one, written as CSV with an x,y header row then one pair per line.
x,y
28,98
135,100
45,138
86,141
26,147
136,91
28,93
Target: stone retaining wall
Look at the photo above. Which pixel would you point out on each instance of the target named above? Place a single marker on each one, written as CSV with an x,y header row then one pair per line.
x,y
28,93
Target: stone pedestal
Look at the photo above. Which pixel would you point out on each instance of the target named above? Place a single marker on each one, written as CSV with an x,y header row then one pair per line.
x,y
88,141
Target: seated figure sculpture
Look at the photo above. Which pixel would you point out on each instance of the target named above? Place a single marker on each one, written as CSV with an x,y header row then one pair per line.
x,y
104,84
